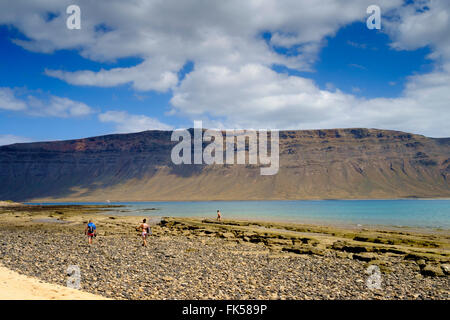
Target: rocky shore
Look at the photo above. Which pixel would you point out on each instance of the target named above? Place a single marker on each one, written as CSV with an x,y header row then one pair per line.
x,y
201,259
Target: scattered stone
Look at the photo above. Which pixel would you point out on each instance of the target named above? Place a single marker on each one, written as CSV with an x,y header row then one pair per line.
x,y
421,263
365,256
432,270
200,265
446,268
168,278
227,235
304,250
415,256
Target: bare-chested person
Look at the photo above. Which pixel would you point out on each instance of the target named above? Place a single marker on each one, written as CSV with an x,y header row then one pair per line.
x,y
145,229
219,215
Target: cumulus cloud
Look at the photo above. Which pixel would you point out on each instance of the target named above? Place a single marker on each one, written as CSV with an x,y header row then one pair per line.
x,y
126,122
420,24
233,82
258,97
167,34
143,77
53,106
255,95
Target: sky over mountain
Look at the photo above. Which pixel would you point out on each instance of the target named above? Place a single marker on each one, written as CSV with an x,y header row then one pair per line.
x,y
142,65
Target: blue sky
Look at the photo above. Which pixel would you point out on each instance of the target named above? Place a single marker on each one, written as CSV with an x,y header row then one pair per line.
x,y
348,75
24,70
361,61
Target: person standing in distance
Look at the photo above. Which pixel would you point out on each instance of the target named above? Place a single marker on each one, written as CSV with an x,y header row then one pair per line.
x,y
219,216
145,229
90,231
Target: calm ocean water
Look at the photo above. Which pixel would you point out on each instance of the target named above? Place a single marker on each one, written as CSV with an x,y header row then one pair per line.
x,y
412,213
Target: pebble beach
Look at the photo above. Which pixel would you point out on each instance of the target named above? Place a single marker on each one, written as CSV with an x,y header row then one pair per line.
x,y
186,262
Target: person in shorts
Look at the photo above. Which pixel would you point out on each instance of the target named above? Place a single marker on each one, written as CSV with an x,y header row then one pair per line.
x,y
219,215
145,229
90,231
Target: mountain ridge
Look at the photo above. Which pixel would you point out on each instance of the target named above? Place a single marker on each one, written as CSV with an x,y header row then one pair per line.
x,y
350,163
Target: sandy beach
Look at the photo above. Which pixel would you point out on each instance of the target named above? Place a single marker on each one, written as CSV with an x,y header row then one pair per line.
x,y
15,286
191,258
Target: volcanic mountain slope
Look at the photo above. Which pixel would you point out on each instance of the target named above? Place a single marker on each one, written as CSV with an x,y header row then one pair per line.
x,y
314,164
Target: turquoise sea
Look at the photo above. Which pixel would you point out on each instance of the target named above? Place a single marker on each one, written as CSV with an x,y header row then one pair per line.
x,y
399,213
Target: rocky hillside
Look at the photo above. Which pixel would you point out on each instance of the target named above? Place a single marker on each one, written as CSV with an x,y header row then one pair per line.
x,y
314,164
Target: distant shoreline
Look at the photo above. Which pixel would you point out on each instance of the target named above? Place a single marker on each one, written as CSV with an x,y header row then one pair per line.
x,y
228,200
345,213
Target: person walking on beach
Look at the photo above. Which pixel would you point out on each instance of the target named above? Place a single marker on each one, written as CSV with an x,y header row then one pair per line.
x,y
90,231
145,229
219,215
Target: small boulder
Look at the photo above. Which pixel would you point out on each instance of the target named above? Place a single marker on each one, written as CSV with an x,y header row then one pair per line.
x,y
249,234
364,256
421,263
415,256
445,268
338,245
304,250
432,270
344,246
227,235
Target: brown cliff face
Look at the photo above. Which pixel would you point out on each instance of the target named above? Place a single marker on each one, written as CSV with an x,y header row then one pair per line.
x,y
314,164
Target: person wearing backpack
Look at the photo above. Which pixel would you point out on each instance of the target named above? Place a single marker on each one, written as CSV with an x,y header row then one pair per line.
x,y
145,228
90,231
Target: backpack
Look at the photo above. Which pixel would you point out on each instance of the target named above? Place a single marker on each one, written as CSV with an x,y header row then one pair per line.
x,y
90,228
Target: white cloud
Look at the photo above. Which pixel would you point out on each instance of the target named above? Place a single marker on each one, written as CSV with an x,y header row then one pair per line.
x,y
232,82
51,106
126,122
6,139
424,23
8,101
258,97
167,34
144,76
